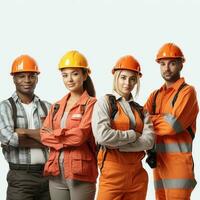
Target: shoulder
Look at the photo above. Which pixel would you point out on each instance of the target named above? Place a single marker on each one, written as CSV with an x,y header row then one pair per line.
x,y
47,104
5,104
189,88
188,91
102,102
92,100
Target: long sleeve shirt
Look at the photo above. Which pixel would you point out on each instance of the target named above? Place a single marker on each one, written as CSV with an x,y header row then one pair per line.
x,y
125,140
9,137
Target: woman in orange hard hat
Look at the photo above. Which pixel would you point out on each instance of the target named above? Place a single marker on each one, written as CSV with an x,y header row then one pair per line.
x,y
67,131
123,131
173,108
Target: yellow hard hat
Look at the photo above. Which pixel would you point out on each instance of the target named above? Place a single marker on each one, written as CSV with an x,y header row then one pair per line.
x,y
74,59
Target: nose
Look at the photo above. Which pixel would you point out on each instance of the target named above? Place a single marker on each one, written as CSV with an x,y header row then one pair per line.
x,y
166,67
27,79
70,78
128,81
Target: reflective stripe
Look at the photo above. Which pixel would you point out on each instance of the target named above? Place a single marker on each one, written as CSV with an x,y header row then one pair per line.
x,y
174,147
175,184
173,122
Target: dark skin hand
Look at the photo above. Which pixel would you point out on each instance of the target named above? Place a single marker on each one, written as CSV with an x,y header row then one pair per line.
x,y
49,130
32,133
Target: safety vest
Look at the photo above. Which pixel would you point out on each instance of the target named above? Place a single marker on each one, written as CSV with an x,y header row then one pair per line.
x,y
120,121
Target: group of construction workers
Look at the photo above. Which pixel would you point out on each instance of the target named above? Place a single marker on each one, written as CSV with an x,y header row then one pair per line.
x,y
57,151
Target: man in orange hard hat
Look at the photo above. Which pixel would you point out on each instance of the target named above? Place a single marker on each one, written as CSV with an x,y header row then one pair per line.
x,y
174,110
21,117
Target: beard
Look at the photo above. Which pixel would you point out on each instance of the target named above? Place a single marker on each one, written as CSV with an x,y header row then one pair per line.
x,y
170,77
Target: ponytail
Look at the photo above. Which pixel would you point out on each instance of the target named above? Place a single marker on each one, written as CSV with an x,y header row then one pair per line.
x,y
88,85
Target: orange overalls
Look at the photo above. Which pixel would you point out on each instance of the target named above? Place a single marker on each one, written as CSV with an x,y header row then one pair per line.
x,y
122,175
174,177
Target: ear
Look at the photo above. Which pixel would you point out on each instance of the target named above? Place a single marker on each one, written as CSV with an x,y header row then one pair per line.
x,y
36,79
180,66
14,79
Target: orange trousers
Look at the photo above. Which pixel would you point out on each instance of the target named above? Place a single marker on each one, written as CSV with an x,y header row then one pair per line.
x,y
122,182
169,194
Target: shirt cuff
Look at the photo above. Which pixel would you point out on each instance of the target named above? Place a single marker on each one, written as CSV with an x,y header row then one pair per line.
x,y
14,140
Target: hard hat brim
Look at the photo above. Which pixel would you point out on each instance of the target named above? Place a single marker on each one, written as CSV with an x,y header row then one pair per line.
x,y
115,69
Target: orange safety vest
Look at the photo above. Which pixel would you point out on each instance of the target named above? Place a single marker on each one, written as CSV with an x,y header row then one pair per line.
x,y
122,122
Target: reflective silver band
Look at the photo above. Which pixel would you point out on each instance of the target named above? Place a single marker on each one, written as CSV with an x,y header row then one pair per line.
x,y
175,184
174,147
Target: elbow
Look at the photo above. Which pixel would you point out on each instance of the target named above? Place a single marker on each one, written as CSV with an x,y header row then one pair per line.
x,y
150,143
100,141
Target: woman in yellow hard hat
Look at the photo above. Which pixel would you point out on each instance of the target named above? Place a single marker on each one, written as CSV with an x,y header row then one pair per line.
x,y
67,131
123,131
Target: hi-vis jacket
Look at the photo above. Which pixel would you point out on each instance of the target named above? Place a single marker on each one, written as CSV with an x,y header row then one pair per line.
x,y
76,140
119,135
174,142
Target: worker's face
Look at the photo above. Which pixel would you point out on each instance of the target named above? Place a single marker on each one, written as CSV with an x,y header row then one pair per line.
x,y
73,79
170,69
25,82
126,82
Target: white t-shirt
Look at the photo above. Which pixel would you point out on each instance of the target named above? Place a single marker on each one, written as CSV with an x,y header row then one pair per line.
x,y
37,155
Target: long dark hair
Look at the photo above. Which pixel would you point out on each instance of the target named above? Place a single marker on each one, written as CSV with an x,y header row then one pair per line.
x,y
88,85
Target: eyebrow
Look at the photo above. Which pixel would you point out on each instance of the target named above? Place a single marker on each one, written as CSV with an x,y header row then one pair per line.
x,y
70,72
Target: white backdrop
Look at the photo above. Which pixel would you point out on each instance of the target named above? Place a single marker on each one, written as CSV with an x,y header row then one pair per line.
x,y
103,31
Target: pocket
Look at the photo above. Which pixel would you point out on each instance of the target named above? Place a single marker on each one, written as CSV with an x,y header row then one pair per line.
x,y
81,164
11,176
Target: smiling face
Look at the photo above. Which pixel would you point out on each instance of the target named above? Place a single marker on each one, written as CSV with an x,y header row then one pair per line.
x,y
170,69
73,79
125,82
25,82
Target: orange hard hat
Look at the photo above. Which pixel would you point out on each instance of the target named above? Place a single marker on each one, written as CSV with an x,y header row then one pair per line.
x,y
170,50
129,63
24,63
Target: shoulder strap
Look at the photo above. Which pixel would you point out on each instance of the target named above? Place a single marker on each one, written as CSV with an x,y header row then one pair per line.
x,y
14,111
139,109
177,93
113,105
44,108
190,131
154,102
83,107
55,109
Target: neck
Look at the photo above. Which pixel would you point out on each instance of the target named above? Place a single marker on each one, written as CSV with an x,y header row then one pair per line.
x,y
76,94
25,98
170,83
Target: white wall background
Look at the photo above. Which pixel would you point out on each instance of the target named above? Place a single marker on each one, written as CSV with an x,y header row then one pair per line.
x,y
103,31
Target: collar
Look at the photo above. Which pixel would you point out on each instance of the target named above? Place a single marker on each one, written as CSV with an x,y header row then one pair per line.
x,y
119,97
17,99
82,100
175,86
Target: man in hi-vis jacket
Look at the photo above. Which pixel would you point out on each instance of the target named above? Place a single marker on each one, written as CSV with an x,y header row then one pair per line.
x,y
173,108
